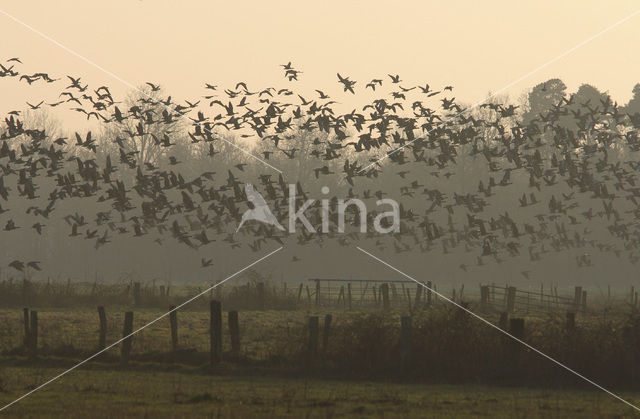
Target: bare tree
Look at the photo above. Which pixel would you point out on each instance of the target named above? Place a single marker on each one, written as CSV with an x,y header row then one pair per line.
x,y
146,127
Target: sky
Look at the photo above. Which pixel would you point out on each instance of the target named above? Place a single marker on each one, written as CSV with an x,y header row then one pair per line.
x,y
478,47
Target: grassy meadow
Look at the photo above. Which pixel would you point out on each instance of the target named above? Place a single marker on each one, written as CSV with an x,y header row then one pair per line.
x,y
148,391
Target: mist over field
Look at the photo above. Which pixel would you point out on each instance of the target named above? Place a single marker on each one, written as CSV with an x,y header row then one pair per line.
x,y
322,210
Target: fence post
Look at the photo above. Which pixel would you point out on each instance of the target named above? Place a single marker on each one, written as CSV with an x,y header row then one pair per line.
x,y
126,331
300,292
584,301
215,333
325,332
577,298
341,297
511,299
570,320
384,290
405,341
25,316
102,317
317,293
234,332
429,288
136,294
516,329
484,296
418,296
24,291
261,295
173,322
313,337
33,334
349,294
504,320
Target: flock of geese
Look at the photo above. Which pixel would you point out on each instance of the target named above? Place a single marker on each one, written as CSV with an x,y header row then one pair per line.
x,y
570,169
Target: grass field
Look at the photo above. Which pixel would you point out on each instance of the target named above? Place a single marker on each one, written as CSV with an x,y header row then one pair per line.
x,y
357,376
101,393
77,328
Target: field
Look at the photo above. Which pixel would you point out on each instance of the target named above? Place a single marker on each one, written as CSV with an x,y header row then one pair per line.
x,y
455,367
76,330
147,392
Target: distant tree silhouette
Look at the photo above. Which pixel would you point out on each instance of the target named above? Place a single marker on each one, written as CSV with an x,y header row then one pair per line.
x,y
144,130
543,98
633,106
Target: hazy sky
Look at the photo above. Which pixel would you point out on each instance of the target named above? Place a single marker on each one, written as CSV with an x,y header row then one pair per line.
x,y
475,46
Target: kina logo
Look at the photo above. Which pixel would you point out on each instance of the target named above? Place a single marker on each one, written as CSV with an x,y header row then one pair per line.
x,y
260,211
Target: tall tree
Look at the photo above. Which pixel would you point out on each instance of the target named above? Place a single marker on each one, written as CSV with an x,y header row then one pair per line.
x,y
543,98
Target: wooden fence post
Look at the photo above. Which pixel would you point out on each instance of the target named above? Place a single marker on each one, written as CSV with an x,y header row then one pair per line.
x,y
511,299
429,288
317,293
126,331
577,298
341,297
102,318
516,329
384,290
349,294
215,333
25,316
325,332
313,337
584,301
405,341
33,334
300,292
418,296
234,332
173,323
570,320
504,320
261,295
484,296
137,298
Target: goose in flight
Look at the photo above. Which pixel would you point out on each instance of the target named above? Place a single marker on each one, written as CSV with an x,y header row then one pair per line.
x,y
260,210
